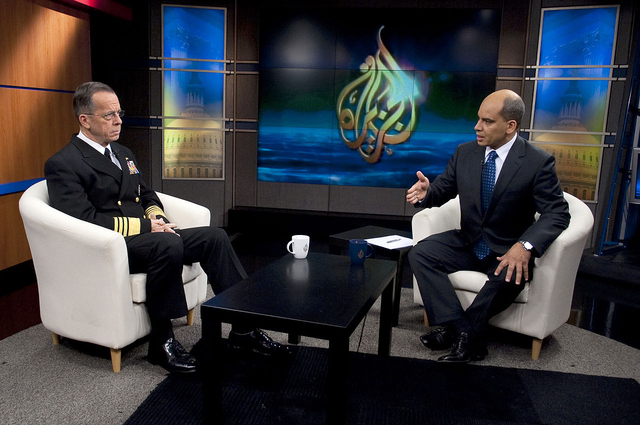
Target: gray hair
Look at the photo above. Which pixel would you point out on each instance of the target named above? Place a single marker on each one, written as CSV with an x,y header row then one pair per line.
x,y
83,96
513,109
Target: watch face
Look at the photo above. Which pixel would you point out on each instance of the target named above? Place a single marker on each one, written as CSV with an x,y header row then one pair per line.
x,y
527,245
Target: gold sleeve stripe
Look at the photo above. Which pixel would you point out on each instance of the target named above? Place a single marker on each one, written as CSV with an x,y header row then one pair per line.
x,y
154,209
134,226
127,226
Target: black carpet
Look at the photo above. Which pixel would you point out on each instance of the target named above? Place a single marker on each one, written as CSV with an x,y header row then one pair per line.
x,y
393,391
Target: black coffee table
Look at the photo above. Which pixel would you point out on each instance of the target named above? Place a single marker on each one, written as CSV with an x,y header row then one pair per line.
x,y
339,243
322,296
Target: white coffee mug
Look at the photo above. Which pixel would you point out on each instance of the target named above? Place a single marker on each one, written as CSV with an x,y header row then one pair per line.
x,y
299,246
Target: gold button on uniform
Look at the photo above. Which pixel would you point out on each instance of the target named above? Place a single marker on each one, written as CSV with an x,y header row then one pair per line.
x,y
119,203
137,199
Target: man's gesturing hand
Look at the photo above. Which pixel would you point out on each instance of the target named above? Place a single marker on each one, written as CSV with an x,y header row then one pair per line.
x,y
418,191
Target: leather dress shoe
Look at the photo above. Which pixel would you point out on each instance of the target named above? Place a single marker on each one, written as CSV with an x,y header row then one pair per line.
x,y
172,356
465,349
257,341
438,338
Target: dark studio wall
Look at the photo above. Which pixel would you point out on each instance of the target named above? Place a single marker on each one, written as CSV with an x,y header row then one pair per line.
x,y
125,71
123,55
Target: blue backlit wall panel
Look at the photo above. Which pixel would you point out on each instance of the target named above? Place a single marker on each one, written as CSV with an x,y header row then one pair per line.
x,y
573,82
193,92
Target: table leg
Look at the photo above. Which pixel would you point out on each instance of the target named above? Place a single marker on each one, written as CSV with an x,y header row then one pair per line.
x,y
211,358
294,338
386,312
337,381
397,290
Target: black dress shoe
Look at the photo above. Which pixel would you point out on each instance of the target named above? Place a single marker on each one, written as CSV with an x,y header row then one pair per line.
x,y
172,356
257,341
438,338
465,349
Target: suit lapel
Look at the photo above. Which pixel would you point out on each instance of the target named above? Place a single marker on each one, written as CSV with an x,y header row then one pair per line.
x,y
96,161
510,168
476,182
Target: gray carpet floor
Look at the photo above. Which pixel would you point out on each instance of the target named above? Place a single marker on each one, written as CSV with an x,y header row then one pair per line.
x,y
73,383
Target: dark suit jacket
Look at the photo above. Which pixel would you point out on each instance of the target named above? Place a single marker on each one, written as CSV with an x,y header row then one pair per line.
x,y
527,184
87,185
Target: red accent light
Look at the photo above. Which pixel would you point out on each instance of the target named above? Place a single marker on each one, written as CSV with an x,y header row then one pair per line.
x,y
107,6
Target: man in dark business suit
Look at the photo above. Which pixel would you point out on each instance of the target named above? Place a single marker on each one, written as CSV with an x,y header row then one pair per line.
x,y
499,238
95,179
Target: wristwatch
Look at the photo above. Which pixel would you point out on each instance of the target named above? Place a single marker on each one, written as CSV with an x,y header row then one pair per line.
x,y
527,245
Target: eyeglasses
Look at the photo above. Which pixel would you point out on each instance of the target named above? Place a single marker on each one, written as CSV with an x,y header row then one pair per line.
x,y
110,115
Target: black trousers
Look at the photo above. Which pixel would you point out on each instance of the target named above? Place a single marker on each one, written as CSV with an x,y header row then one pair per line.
x,y
433,258
162,255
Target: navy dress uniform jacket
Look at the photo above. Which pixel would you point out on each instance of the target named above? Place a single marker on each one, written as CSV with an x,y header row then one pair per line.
x,y
87,185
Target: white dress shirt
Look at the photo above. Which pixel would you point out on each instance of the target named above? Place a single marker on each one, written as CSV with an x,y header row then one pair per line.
x,y
99,148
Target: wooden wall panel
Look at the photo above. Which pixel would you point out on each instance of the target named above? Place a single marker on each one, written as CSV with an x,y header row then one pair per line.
x,y
36,125
46,54
43,45
13,242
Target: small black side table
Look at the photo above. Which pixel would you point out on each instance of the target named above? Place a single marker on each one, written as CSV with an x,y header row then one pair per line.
x,y
321,296
339,243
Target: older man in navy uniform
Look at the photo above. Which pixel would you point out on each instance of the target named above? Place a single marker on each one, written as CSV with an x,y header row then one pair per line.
x,y
95,179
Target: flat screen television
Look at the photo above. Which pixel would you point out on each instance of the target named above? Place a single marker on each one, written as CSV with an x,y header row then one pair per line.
x,y
366,97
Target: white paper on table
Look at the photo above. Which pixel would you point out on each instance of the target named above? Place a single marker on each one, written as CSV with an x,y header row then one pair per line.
x,y
391,242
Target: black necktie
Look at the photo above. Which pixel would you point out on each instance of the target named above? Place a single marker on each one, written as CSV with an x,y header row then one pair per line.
x,y
107,153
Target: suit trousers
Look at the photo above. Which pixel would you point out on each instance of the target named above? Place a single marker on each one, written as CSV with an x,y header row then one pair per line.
x,y
434,257
162,256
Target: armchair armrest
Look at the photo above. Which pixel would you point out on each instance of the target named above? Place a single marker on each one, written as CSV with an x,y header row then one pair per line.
x,y
554,276
436,220
184,213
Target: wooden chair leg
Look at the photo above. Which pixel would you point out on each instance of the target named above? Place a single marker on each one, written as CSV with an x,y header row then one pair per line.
x,y
115,359
426,319
535,348
56,338
190,317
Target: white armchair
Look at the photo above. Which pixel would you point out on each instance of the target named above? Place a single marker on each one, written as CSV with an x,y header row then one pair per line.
x,y
545,302
85,290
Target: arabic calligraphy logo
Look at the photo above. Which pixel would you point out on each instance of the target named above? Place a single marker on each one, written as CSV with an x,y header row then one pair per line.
x,y
379,107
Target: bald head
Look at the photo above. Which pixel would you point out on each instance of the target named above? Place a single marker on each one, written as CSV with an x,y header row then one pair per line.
x,y
499,118
512,105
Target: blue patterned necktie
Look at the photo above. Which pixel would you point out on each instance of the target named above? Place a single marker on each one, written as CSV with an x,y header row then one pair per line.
x,y
481,249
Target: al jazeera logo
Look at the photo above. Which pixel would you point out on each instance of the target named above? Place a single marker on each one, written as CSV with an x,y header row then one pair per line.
x,y
379,108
